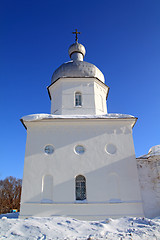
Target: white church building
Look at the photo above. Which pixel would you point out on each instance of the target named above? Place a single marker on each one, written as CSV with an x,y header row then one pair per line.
x,y
80,160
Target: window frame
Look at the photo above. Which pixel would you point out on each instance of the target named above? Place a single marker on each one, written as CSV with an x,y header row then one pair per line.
x,y
78,99
80,188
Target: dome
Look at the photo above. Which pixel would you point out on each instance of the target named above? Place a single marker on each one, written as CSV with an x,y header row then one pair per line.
x,y
77,67
154,151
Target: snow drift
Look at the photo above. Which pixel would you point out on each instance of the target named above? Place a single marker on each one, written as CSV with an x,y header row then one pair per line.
x,y
71,229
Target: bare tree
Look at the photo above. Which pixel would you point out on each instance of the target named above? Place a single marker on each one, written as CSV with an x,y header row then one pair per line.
x,y
10,194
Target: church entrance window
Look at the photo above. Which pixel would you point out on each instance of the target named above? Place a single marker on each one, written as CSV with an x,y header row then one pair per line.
x,y
80,187
78,99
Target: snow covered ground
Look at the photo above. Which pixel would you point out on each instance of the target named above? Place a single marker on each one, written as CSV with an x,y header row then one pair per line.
x,y
66,228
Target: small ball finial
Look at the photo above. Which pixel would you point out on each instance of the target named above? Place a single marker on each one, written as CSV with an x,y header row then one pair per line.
x,y
77,51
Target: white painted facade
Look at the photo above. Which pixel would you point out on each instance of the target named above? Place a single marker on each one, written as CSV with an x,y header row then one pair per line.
x,y
149,176
108,163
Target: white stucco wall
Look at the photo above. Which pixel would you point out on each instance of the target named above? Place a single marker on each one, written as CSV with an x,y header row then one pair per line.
x,y
149,176
112,179
93,93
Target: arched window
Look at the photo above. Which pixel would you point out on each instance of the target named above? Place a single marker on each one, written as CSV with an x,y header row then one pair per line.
x,y
47,189
78,99
80,187
113,187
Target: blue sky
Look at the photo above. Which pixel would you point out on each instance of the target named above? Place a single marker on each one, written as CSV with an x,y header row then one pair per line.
x,y
122,38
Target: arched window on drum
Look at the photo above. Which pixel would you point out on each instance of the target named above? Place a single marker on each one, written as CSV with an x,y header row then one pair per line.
x,y
78,99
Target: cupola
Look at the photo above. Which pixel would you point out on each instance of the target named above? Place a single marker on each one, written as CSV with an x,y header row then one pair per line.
x,y
77,87
76,67
77,51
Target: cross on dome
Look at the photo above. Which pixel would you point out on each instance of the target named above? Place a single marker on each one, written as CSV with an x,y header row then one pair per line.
x,y
76,32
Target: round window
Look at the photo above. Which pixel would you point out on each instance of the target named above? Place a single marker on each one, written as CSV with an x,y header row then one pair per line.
x,y
111,148
49,149
79,149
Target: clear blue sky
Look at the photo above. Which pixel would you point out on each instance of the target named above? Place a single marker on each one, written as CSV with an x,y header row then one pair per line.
x,y
122,38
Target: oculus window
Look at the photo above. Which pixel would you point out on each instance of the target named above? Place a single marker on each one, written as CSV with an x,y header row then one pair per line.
x,y
49,149
78,99
79,149
80,188
111,148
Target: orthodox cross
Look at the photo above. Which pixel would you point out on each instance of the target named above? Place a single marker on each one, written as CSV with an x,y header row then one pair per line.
x,y
76,34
